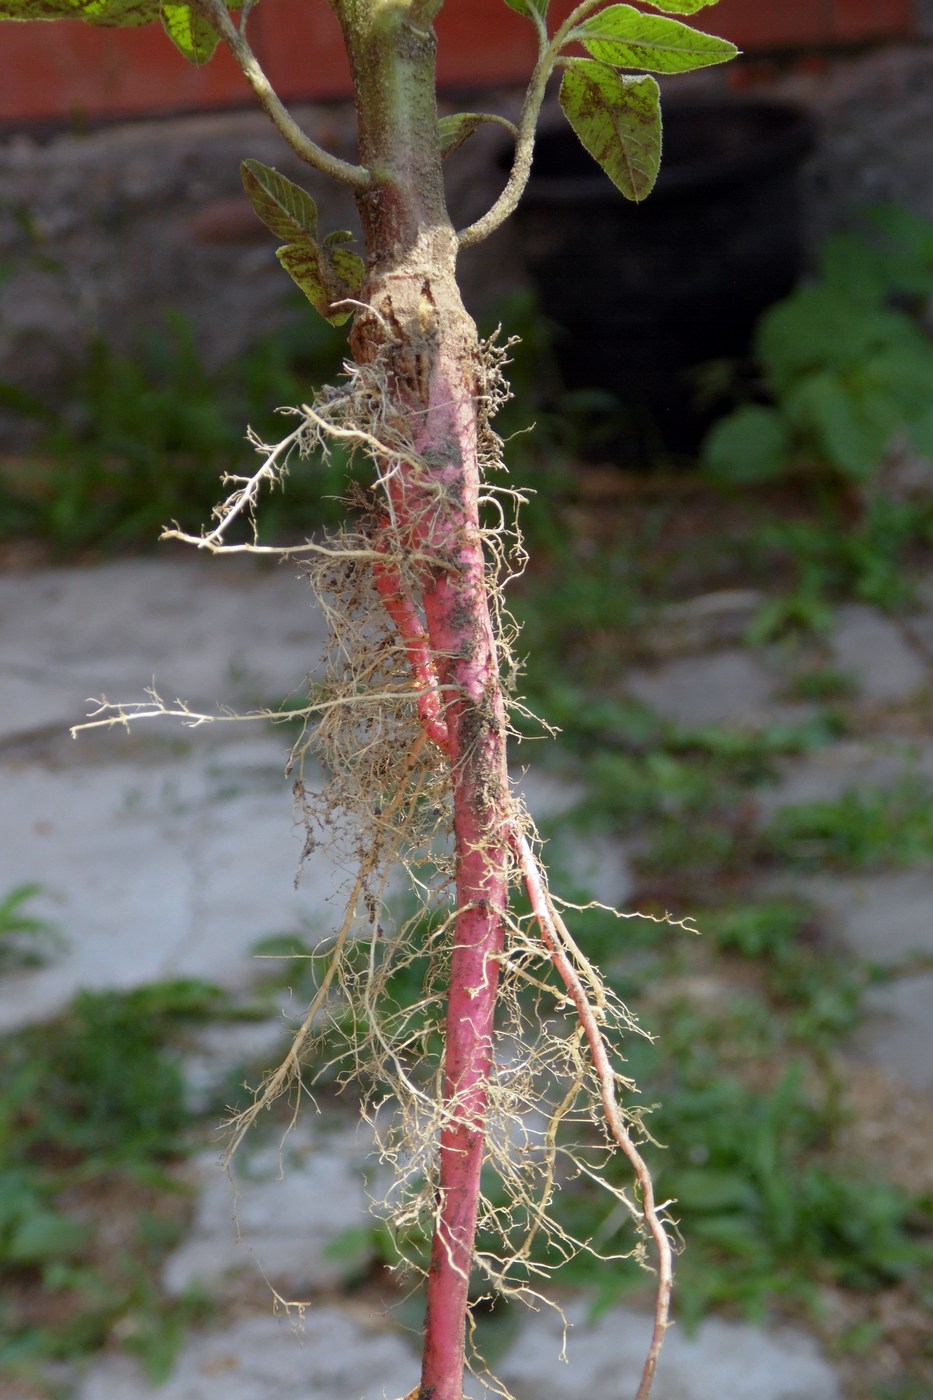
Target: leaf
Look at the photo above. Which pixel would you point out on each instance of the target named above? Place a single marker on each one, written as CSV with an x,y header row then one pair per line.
x,y
749,446
618,120
529,8
308,268
854,269
456,129
325,272
920,432
189,32
680,7
626,38
820,327
284,207
45,1235
347,266
850,425
125,13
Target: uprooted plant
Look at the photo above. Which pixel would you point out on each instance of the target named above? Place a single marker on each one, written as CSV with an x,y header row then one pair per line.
x,y
411,718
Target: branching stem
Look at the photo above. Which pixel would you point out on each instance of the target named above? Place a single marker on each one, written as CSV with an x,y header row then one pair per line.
x,y
218,16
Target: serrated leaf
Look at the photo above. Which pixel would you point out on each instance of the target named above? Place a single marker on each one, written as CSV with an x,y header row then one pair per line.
x,y
456,129
627,38
284,207
325,272
189,32
616,119
529,7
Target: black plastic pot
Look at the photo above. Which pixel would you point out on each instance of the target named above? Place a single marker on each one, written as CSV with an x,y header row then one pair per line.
x,y
642,294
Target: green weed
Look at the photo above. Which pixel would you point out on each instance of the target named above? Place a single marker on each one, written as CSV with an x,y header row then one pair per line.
x,y
832,558
92,1116
815,991
846,363
144,439
25,939
865,828
821,683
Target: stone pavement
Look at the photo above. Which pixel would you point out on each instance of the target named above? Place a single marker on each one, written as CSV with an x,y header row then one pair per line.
x,y
170,852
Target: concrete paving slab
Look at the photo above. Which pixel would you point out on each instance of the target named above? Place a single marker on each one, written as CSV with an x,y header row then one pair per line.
x,y
329,1355
919,628
596,866
877,652
605,1356
826,775
884,918
721,687
151,872
896,1034
211,631
333,1355
275,1218
173,863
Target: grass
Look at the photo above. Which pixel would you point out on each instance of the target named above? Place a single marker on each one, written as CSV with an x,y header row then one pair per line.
x,y
93,1124
25,939
865,829
143,441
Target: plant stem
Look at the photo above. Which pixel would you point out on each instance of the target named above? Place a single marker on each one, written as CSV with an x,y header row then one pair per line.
x,y
218,16
427,351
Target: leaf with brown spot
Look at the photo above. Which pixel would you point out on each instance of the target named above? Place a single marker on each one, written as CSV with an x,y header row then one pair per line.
x,y
618,120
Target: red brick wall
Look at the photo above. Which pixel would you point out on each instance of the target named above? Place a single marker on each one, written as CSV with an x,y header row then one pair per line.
x,y
67,71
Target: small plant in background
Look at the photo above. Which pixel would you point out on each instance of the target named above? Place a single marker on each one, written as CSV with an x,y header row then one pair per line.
x,y
847,362
25,939
843,410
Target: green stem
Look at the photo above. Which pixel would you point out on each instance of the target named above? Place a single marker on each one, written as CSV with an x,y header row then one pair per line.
x,y
218,16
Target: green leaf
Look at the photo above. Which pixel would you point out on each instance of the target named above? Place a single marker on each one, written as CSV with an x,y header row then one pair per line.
x,y
750,445
820,327
456,129
126,13
908,252
851,425
45,1235
853,269
326,272
308,268
626,38
680,7
920,432
284,207
189,32
618,120
347,266
529,7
